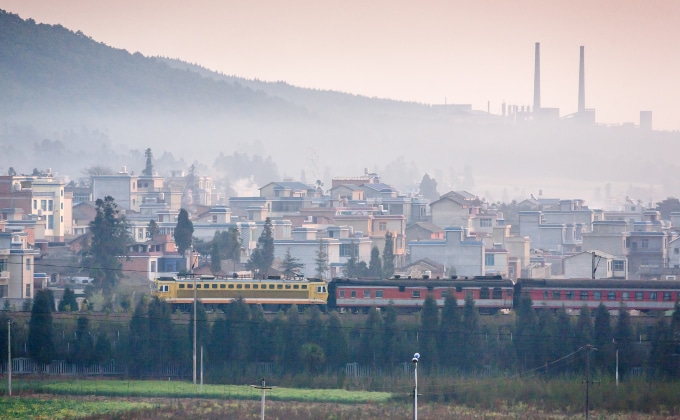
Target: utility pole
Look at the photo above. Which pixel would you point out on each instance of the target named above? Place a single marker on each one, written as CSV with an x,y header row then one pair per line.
x,y
263,387
415,359
588,348
9,357
191,271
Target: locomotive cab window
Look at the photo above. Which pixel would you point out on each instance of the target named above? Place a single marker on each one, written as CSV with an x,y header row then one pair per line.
x,y
415,293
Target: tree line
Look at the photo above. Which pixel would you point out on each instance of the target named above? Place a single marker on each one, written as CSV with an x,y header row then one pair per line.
x,y
454,339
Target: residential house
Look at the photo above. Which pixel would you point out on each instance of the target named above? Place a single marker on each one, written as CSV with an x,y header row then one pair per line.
x,y
594,264
17,261
461,256
453,209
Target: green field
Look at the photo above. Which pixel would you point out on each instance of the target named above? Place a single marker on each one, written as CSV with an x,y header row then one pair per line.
x,y
64,408
175,389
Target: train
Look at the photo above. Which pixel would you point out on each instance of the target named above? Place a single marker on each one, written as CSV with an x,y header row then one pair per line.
x,y
273,293
493,293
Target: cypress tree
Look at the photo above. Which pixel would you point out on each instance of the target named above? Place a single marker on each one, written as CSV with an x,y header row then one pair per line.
x,y
388,256
374,265
68,301
450,332
40,344
429,326
184,231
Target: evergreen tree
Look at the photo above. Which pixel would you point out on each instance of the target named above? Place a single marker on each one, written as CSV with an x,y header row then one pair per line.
x,y
102,348
259,335
625,338
262,258
294,338
139,336
321,260
215,258
428,188
471,342
450,332
238,316
565,334
661,356
152,230
291,265
429,326
232,250
40,345
392,337
602,339
68,301
388,256
583,331
374,265
336,344
550,348
314,326
184,231
370,338
83,346
526,334
110,238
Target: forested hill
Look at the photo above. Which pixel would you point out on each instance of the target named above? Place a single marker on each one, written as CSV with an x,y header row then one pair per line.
x,y
48,66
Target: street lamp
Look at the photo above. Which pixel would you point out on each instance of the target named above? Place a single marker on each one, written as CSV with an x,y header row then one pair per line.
x,y
415,359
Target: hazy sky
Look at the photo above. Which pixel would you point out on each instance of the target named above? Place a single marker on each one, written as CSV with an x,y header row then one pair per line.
x,y
426,51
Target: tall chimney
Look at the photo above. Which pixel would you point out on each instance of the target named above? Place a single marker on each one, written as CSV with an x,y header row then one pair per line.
x,y
581,84
537,78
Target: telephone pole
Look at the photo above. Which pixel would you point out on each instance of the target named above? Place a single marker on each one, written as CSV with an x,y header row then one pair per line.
x,y
9,357
588,348
264,388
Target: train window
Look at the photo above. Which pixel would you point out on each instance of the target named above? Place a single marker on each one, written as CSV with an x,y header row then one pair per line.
x,y
353,294
279,286
484,293
509,293
402,288
468,294
583,295
459,289
231,286
639,295
296,286
271,286
497,293
214,286
181,286
255,286
367,294
288,286
378,293
611,295
653,296
239,286
430,288
198,286
545,294
597,295
304,287
667,296
569,295
190,286
342,293
625,295
247,286
445,293
556,295
415,293
223,286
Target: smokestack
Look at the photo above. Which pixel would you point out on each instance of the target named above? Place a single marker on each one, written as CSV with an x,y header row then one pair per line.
x,y
537,78
581,84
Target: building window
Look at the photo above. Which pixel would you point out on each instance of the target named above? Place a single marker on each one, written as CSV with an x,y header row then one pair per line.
x,y
35,204
50,205
382,226
415,294
378,293
676,251
43,205
140,234
3,291
489,259
28,263
619,265
28,290
50,221
485,222
3,265
153,266
645,243
367,294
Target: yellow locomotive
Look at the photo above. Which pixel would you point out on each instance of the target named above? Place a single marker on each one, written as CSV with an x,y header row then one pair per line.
x,y
273,293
